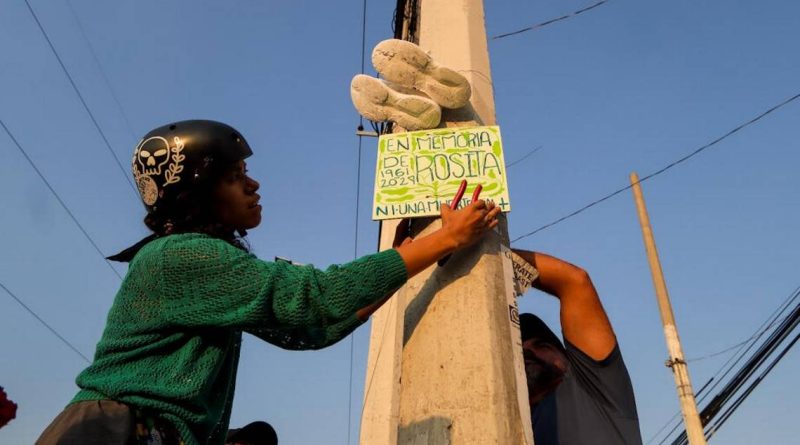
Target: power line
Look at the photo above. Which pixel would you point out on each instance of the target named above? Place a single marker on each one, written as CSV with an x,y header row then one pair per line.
x,y
100,68
80,96
355,255
382,128
663,427
527,155
377,357
551,21
363,33
355,235
727,414
714,408
45,324
770,321
662,170
677,425
58,198
755,361
714,354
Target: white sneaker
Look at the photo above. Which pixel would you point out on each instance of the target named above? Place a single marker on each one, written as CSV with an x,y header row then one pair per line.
x,y
378,102
406,64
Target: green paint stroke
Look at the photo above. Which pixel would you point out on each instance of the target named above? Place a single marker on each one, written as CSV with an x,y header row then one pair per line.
x,y
404,198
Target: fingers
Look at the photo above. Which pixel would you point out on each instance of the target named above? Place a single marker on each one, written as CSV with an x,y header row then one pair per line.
x,y
479,204
473,221
445,210
490,219
490,211
492,214
487,213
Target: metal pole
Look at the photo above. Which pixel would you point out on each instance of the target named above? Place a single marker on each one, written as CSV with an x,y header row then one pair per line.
x,y
691,418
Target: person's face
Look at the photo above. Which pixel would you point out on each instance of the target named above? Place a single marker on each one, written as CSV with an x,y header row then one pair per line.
x,y
236,202
545,366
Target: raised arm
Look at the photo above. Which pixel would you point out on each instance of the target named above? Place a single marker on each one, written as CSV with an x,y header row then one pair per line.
x,y
460,228
583,319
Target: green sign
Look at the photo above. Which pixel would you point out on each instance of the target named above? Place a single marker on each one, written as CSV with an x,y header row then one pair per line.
x,y
419,171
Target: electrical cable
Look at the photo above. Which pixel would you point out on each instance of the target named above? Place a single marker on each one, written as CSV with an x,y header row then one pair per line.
x,y
772,342
749,390
747,370
58,198
355,235
355,255
759,332
548,22
100,68
660,171
725,415
671,419
45,324
674,428
715,407
714,354
386,127
377,358
83,102
527,155
770,321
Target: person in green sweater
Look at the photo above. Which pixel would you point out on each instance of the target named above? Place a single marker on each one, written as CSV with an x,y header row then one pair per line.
x,y
165,368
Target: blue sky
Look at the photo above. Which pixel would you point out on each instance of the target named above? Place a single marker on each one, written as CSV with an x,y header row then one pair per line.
x,y
629,86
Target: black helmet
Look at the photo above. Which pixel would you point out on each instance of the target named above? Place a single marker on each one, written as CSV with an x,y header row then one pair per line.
x,y
175,157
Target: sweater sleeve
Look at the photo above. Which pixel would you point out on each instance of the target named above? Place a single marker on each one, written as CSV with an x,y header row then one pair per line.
x,y
309,338
209,283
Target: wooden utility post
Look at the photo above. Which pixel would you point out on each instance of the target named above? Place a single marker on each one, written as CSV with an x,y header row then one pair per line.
x,y
694,428
441,367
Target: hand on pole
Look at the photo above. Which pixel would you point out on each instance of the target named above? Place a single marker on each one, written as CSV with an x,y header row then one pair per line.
x,y
468,225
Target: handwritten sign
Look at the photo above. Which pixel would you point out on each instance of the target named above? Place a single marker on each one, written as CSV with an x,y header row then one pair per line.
x,y
419,171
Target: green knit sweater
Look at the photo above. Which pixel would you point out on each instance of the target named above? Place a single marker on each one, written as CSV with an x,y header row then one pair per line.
x,y
171,342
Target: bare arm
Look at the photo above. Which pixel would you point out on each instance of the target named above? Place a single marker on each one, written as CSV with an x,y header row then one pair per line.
x,y
583,319
460,228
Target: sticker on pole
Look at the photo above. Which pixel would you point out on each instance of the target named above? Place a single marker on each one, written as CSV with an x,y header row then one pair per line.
x,y
421,170
524,273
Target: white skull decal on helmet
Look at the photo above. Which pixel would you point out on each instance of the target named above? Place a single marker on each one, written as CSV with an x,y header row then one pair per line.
x,y
152,155
152,158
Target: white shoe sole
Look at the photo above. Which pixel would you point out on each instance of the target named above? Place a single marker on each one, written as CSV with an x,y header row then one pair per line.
x,y
377,102
406,64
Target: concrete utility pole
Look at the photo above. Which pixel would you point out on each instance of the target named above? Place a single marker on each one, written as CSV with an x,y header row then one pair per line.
x,y
441,367
691,418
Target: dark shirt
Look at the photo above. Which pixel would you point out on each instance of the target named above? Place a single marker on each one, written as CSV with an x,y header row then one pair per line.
x,y
593,405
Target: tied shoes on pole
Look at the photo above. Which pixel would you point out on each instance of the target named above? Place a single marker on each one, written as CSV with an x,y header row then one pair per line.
x,y
406,64
378,101
415,88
